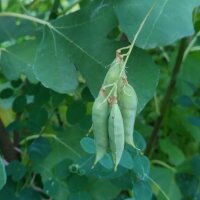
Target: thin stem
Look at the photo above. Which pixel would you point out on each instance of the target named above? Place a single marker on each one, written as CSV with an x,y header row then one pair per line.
x,y
136,36
159,162
45,135
159,188
167,97
27,17
191,44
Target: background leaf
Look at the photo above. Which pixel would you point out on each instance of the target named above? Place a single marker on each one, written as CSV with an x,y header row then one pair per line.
x,y
162,19
3,176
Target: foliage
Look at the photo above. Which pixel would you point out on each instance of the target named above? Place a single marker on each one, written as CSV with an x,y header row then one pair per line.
x,y
53,58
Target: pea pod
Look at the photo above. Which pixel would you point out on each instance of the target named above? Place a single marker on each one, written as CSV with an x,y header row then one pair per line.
x,y
116,134
114,72
100,126
128,106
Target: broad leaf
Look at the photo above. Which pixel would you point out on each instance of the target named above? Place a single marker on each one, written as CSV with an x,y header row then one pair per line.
x,y
169,21
167,183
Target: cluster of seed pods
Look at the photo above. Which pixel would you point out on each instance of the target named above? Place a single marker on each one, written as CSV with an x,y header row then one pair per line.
x,y
114,112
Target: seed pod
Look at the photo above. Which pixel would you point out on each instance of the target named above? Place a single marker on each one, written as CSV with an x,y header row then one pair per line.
x,y
128,106
113,72
116,134
100,126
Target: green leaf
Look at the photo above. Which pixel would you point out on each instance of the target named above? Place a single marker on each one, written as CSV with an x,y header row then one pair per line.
x,y
39,149
126,160
8,191
3,177
6,93
160,28
141,166
83,195
52,188
176,156
37,119
88,145
143,75
29,194
107,161
16,170
89,54
167,183
188,184
142,190
76,111
77,183
189,74
196,164
61,170
18,59
139,141
10,29
194,121
103,189
42,96
53,66
19,103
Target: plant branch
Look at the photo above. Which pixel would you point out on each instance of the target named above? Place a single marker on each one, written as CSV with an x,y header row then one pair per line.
x,y
27,17
6,145
167,97
130,47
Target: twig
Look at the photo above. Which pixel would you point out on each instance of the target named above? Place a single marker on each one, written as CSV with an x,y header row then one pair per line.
x,y
167,97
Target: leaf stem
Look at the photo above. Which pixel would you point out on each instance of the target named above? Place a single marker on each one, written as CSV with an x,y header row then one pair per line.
x,y
159,162
136,36
27,17
46,135
159,188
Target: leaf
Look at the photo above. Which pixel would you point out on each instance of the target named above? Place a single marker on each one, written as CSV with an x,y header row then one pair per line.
x,y
39,149
53,66
142,190
188,184
176,156
16,170
196,164
66,146
126,160
103,189
35,121
188,78
6,93
139,141
10,29
143,75
83,195
88,145
29,194
165,25
3,177
18,59
194,121
167,183
76,111
141,166
19,103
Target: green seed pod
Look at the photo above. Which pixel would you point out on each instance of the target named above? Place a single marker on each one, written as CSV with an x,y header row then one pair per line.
x,y
113,72
128,106
100,126
116,134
